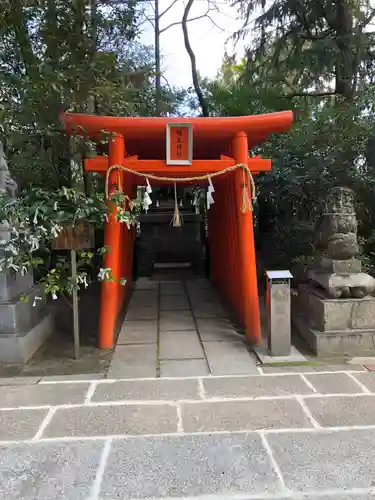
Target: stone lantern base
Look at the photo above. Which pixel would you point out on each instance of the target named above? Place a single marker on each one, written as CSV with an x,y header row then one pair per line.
x,y
24,327
334,327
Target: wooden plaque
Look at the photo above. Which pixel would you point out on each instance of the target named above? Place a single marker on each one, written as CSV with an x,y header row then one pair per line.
x,y
78,237
179,144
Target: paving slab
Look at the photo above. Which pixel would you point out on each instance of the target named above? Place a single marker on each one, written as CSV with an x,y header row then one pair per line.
x,y
344,496
334,383
198,284
336,411
180,344
243,415
20,424
252,387
141,313
368,379
172,288
176,320
138,332
200,299
48,471
217,330
133,361
209,310
201,294
151,390
229,358
145,298
174,303
107,420
187,466
146,284
326,460
42,394
183,368
303,368
74,377
19,380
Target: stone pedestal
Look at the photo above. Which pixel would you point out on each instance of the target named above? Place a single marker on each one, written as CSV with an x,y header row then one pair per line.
x,y
23,327
335,327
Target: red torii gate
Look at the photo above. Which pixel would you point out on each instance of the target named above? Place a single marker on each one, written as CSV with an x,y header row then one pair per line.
x,y
140,145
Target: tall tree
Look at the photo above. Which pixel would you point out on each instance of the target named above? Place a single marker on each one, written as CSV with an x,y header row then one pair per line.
x,y
327,43
54,55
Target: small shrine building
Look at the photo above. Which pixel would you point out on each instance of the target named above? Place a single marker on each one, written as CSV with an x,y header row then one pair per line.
x,y
185,148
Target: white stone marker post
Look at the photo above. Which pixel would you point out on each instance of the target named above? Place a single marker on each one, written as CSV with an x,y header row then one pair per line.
x,y
278,313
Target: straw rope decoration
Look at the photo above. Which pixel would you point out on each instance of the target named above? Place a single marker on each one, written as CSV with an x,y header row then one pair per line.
x,y
248,186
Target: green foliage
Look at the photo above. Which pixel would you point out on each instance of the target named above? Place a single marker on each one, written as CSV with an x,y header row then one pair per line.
x,y
327,146
60,55
36,218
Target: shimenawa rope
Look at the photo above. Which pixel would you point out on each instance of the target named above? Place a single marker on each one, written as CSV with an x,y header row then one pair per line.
x,y
247,201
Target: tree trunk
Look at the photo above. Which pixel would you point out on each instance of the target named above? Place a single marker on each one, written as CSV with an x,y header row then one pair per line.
x,y
157,61
194,71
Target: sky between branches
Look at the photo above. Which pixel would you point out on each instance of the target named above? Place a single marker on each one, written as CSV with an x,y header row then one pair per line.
x,y
208,41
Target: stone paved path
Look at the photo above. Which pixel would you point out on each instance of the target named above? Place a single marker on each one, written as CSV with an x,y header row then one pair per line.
x,y
176,328
185,412
277,436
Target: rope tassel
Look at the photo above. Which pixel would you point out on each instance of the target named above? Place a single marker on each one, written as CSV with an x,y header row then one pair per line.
x,y
176,220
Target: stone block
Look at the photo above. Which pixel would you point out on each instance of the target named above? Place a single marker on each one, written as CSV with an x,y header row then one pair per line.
x,y
141,313
146,284
217,330
312,368
209,310
341,266
19,316
337,314
335,343
144,298
42,394
198,284
172,288
13,284
19,381
183,368
229,358
180,344
243,415
253,387
133,361
152,390
333,383
176,320
20,424
138,332
109,420
334,284
199,297
337,411
74,377
188,466
266,358
367,379
344,496
174,303
326,460
49,471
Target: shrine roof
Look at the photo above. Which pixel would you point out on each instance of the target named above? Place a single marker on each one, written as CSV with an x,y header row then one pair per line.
x,y
146,136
